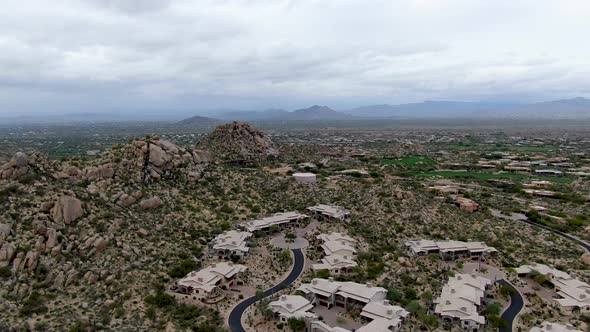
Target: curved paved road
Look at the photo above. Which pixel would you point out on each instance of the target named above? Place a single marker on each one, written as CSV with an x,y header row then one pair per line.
x,y
516,305
584,245
235,316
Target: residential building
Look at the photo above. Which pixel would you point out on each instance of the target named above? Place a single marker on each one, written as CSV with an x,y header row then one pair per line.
x,y
305,177
540,192
336,264
330,293
291,306
548,172
339,253
208,285
329,212
338,248
460,301
339,237
554,327
574,294
382,316
230,243
283,219
449,249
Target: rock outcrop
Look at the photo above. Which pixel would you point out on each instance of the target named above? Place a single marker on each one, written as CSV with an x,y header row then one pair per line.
x,y
238,142
151,203
151,160
16,167
66,210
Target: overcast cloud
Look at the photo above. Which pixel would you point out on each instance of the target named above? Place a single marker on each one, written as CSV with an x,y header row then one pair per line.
x,y
116,55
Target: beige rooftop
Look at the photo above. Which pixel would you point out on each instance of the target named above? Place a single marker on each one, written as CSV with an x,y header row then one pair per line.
x,y
207,278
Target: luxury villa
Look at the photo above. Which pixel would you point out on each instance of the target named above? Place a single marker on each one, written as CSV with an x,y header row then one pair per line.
x,y
230,243
329,212
574,294
461,299
339,253
449,249
282,220
209,284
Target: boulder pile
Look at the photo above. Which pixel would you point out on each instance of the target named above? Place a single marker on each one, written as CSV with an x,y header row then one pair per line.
x,y
238,142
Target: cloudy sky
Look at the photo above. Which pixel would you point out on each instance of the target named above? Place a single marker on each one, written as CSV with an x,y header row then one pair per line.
x,y
156,55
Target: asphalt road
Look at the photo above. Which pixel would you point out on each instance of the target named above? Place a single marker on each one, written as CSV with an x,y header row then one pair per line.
x,y
235,316
516,305
584,245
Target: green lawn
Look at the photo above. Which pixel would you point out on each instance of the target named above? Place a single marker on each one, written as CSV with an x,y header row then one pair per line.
x,y
487,176
455,147
413,160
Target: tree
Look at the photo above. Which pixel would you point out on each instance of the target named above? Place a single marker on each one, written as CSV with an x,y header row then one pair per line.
x,y
259,294
493,309
296,324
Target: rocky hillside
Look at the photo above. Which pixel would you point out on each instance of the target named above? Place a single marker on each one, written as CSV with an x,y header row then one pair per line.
x,y
238,141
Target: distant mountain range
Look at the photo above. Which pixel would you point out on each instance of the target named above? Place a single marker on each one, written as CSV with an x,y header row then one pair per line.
x,y
576,108
201,121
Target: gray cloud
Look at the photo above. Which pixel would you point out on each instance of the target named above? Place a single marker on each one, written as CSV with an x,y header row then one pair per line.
x,y
276,53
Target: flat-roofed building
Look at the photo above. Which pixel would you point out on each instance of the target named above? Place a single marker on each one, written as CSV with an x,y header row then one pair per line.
x,y
548,172
449,249
329,293
329,212
291,306
554,327
460,300
540,192
208,284
307,178
230,243
574,294
283,219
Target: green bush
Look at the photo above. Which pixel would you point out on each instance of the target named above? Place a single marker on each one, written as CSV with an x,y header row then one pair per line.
x,y
182,269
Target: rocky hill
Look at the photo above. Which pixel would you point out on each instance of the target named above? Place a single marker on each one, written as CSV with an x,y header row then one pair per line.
x,y
238,142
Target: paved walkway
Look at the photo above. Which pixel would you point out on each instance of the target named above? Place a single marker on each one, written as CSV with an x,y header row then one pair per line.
x,y
235,316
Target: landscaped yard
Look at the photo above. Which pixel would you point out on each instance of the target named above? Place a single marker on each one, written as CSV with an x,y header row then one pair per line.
x,y
412,160
487,176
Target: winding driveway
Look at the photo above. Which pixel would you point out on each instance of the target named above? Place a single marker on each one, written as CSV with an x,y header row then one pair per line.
x,y
516,301
235,316
516,305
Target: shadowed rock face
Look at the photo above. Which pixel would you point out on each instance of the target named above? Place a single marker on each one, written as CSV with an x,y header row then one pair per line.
x,y
16,167
66,210
154,159
238,141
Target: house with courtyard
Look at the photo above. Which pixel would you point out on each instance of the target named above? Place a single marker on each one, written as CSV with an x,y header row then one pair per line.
x,y
329,212
382,316
330,293
573,295
339,253
338,248
209,284
291,306
230,244
461,299
449,249
281,220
